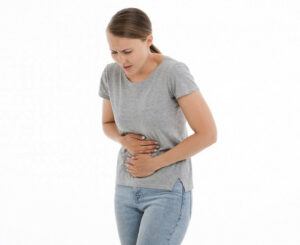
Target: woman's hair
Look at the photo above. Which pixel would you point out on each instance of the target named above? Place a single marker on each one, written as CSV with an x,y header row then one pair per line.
x,y
131,23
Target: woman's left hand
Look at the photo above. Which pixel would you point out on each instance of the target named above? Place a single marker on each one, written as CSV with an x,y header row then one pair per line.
x,y
140,165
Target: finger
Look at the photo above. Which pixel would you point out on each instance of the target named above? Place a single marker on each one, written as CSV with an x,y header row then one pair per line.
x,y
137,136
147,151
128,162
130,169
131,154
149,142
130,158
151,148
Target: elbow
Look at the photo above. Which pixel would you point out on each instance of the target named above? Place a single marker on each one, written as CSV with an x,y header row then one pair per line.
x,y
214,136
214,139
207,135
211,138
207,138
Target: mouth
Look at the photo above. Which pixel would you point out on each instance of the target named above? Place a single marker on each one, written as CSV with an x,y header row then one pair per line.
x,y
127,67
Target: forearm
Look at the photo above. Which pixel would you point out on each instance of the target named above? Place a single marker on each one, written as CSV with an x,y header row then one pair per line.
x,y
110,129
185,149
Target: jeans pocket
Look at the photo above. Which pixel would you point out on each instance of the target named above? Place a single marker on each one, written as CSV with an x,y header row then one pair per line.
x,y
178,187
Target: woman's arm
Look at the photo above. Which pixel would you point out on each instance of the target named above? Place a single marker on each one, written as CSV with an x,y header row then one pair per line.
x,y
108,122
202,123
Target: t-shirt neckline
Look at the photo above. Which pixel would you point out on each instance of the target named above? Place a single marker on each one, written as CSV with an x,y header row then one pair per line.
x,y
150,76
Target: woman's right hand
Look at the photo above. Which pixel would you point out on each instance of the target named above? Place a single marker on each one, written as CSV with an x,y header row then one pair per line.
x,y
136,144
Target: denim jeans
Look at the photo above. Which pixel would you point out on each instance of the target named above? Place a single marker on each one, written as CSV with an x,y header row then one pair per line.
x,y
147,216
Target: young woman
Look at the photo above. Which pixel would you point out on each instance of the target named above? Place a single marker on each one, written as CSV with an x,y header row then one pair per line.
x,y
147,98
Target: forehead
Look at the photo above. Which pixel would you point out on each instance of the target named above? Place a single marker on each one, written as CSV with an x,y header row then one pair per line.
x,y
121,43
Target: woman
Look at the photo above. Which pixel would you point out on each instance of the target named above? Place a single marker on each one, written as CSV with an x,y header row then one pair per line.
x,y
147,98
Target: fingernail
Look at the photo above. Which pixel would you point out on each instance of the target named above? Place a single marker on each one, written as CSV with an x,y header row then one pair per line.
x,y
143,137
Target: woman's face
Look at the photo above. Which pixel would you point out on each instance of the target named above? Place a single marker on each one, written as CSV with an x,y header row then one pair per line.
x,y
129,52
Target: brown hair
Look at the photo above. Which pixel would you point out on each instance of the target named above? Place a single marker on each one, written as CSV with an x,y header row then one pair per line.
x,y
131,23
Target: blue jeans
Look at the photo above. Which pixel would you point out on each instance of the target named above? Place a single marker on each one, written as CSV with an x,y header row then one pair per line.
x,y
147,216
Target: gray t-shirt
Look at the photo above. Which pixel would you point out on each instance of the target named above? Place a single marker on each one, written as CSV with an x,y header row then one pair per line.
x,y
150,108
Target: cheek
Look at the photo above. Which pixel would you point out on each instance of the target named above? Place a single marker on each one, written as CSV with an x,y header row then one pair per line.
x,y
132,59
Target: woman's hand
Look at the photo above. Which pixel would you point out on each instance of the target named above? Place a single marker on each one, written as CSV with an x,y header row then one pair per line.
x,y
136,144
141,165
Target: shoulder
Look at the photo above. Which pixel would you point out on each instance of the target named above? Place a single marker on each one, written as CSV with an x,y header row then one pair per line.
x,y
174,65
111,68
176,70
110,71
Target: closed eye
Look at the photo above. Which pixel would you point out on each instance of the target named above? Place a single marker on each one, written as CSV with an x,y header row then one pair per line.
x,y
125,52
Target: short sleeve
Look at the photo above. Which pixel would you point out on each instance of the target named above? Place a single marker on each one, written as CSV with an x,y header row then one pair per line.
x,y
103,88
182,81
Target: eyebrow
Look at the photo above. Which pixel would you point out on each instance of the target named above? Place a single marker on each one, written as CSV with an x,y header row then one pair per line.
x,y
121,50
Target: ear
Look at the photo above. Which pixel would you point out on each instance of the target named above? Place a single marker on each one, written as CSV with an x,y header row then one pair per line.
x,y
149,40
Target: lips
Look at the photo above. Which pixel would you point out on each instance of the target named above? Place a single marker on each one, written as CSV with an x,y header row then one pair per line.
x,y
127,66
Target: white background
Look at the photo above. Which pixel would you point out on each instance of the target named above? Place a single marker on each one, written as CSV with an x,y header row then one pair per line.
x,y
57,168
